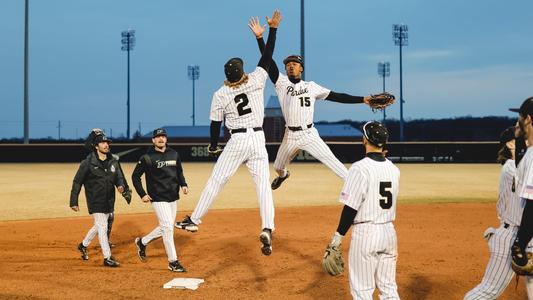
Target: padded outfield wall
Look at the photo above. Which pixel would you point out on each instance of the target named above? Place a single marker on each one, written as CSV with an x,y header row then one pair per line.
x,y
347,152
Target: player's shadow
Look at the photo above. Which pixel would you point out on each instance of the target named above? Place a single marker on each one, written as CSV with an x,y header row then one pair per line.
x,y
420,286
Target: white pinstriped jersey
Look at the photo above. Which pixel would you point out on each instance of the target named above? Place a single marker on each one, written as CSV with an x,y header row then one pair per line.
x,y
509,204
242,107
525,175
372,188
297,101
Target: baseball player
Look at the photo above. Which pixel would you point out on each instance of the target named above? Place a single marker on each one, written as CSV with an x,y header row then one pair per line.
x,y
369,196
164,177
240,102
297,99
89,145
98,173
499,273
525,184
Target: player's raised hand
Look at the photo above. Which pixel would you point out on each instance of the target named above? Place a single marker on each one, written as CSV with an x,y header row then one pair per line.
x,y
256,27
275,20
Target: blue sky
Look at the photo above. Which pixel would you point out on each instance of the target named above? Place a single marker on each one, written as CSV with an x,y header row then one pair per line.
x,y
463,58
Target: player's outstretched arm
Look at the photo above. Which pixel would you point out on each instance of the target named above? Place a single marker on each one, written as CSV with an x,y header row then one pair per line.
x,y
258,30
266,56
346,98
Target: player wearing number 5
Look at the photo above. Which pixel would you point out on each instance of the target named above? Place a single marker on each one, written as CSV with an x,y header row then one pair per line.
x,y
369,196
240,102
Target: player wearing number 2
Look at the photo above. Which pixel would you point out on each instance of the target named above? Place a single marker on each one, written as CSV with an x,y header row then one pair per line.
x,y
297,99
240,102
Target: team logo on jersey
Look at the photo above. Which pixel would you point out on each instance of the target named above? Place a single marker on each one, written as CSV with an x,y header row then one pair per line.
x,y
112,169
166,163
292,92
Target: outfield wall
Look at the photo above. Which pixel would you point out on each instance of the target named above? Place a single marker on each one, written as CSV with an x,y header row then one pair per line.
x,y
414,152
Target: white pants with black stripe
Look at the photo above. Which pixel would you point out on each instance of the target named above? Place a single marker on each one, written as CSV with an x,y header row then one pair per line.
x,y
498,273
166,214
310,141
249,148
372,261
100,228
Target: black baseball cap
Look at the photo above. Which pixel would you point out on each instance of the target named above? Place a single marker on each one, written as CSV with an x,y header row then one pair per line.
x,y
234,69
159,131
375,133
507,135
294,58
526,108
101,138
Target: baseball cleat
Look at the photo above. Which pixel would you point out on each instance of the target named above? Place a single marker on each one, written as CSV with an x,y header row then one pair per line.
x,y
140,249
276,183
83,251
266,239
111,262
187,224
175,266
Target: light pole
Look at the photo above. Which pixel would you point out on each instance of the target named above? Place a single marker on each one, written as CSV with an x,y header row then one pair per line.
x,y
26,82
194,74
400,37
128,42
302,34
384,71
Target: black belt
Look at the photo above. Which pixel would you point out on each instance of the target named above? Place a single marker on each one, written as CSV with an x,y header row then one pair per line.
x,y
244,130
298,128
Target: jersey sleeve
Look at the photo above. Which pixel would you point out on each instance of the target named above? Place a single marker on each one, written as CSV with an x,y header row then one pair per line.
x,y
217,110
320,92
527,187
354,190
281,86
259,75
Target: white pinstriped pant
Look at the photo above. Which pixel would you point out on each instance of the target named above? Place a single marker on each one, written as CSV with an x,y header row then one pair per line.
x,y
372,261
100,228
166,214
246,147
498,273
310,141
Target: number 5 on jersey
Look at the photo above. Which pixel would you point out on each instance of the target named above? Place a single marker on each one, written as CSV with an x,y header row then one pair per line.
x,y
242,101
384,191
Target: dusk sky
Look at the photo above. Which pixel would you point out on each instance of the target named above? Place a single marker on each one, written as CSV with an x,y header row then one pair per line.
x,y
464,58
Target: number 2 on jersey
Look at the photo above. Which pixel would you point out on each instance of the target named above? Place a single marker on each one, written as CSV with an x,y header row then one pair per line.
x,y
242,101
384,191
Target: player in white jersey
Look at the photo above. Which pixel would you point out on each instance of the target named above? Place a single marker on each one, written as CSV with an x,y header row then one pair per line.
x,y
509,207
240,102
369,196
297,99
525,187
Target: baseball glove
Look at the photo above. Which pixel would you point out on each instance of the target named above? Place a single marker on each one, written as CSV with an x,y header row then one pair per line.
x,y
518,255
214,152
332,262
380,101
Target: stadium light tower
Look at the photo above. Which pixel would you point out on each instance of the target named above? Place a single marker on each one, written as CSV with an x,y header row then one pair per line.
x,y
26,83
128,42
400,37
194,74
302,35
384,71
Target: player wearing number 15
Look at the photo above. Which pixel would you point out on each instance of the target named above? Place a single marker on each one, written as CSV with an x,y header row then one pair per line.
x,y
240,102
369,197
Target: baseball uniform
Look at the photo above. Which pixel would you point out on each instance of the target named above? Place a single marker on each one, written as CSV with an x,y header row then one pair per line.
x,y
371,188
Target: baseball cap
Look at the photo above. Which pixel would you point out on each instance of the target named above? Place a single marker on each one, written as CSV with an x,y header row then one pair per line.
x,y
507,135
526,108
293,58
375,133
234,69
159,131
101,138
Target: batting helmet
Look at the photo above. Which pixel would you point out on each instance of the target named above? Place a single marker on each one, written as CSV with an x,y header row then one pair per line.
x,y
375,133
294,58
234,69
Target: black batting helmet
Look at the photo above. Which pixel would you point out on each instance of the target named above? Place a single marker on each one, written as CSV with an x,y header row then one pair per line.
x,y
294,58
234,69
375,133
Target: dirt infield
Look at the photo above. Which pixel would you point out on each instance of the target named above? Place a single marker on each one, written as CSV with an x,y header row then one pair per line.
x,y
441,256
